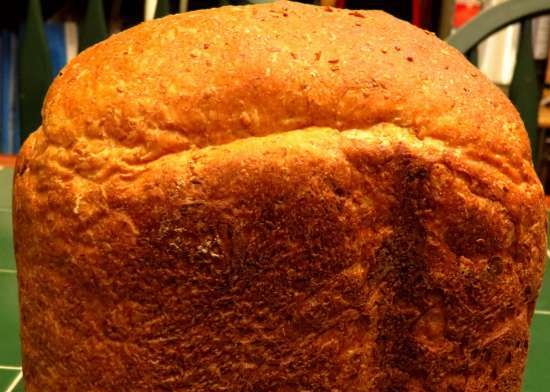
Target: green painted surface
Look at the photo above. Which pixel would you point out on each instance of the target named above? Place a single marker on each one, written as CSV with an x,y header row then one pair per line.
x,y
543,302
7,258
9,321
6,176
7,378
20,387
537,375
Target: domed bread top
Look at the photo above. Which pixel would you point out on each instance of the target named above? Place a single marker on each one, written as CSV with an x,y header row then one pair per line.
x,y
214,76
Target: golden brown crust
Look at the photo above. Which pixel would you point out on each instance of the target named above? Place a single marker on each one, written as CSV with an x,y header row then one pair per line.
x,y
385,233
213,76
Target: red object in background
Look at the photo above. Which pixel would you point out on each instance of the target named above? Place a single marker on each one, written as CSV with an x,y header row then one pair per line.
x,y
422,13
340,4
7,160
417,12
464,11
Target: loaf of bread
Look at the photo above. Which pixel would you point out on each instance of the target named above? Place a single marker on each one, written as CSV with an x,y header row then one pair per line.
x,y
278,197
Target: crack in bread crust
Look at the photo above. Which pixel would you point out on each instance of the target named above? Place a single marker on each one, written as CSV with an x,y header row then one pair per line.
x,y
95,161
